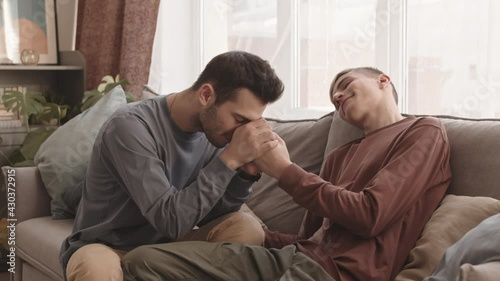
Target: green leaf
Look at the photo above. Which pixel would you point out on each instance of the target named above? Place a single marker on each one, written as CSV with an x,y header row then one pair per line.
x,y
110,86
16,156
33,141
90,98
52,111
130,98
25,104
106,85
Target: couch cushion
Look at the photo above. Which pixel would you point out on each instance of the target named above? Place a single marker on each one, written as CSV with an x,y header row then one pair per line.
x,y
455,216
39,242
475,163
63,157
306,140
148,93
340,133
474,148
31,273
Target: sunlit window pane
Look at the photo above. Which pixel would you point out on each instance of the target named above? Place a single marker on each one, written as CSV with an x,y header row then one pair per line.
x,y
454,63
259,27
333,35
442,54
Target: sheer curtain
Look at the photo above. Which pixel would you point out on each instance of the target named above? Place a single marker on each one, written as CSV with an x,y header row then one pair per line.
x,y
176,51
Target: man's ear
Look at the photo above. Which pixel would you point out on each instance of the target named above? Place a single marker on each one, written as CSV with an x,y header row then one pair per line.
x,y
206,94
383,81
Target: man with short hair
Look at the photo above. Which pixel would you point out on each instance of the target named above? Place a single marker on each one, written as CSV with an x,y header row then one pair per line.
x,y
160,167
365,211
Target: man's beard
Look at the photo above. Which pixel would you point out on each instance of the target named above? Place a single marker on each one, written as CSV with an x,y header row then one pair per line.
x,y
208,120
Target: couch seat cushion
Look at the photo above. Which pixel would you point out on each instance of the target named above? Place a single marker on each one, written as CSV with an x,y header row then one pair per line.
x,y
39,242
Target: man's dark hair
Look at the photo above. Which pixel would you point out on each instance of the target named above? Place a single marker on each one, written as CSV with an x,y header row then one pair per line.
x,y
370,71
235,70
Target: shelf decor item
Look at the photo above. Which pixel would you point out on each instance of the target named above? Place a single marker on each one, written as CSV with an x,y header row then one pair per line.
x,y
28,25
29,57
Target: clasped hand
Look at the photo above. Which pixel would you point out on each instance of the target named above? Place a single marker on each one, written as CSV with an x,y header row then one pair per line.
x,y
254,147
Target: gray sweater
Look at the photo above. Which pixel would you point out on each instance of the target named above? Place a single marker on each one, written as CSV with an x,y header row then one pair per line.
x,y
148,182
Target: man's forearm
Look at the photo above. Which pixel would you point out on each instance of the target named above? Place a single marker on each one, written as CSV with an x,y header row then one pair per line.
x,y
236,194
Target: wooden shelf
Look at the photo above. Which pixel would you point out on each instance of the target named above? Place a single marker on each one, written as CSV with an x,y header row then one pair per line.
x,y
66,80
41,67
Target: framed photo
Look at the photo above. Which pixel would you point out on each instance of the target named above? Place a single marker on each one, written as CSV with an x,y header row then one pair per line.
x,y
28,25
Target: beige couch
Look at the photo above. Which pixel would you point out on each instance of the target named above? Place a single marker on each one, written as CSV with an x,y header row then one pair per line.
x,y
475,160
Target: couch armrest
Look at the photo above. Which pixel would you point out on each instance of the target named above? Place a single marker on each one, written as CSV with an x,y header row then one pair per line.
x,y
32,199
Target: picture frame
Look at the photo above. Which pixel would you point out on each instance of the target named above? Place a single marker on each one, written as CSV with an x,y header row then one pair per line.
x,y
28,25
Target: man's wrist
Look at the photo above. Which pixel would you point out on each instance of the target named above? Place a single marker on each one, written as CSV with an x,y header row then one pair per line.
x,y
280,169
231,164
248,177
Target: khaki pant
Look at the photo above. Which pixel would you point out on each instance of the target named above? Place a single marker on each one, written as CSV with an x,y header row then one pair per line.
x,y
204,261
100,262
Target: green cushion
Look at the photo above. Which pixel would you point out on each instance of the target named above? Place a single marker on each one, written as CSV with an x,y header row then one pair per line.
x,y
63,157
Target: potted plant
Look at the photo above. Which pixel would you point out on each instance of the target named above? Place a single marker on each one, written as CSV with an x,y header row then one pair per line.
x,y
48,112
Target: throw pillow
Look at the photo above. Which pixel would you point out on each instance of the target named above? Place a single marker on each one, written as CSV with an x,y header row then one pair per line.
x,y
455,216
63,157
481,245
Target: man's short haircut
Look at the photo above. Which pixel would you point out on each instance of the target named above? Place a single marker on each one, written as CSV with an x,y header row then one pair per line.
x,y
235,70
369,71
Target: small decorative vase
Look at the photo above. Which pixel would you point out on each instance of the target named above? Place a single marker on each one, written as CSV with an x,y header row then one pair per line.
x,y
29,57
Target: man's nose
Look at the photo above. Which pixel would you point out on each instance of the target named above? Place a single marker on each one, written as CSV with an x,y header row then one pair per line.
x,y
337,96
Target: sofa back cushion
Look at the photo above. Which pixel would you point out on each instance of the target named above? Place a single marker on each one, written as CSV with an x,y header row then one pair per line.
x,y
474,144
475,159
306,141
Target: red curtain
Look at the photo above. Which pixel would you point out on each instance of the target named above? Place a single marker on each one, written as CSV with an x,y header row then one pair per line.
x,y
116,37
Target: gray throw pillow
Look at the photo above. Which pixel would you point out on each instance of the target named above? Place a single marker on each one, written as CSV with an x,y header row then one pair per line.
x,y
63,157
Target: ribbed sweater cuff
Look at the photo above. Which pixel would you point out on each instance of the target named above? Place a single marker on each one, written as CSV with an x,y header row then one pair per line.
x,y
291,177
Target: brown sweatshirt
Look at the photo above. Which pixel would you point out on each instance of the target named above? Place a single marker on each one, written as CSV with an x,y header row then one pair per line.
x,y
369,206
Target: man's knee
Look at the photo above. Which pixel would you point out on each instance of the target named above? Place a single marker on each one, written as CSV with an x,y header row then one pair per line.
x,y
94,262
146,262
240,228
133,262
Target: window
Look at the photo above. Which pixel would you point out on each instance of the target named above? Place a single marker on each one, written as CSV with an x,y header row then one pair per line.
x,y
454,63
439,53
